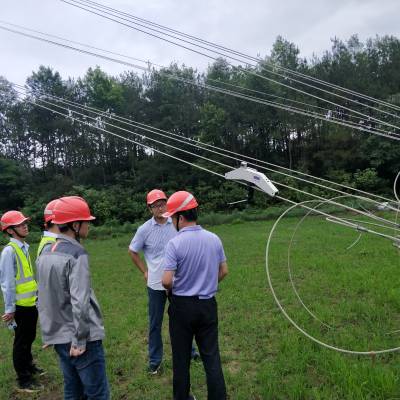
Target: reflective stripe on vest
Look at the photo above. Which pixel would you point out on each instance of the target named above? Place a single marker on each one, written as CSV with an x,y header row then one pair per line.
x,y
26,286
25,295
45,240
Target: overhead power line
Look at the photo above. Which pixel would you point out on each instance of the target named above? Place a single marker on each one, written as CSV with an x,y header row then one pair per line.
x,y
78,116
213,149
96,9
264,63
148,63
289,108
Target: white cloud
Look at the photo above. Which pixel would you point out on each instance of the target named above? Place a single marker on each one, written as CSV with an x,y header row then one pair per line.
x,y
250,27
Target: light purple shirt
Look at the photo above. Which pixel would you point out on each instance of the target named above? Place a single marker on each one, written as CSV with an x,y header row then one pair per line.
x,y
195,255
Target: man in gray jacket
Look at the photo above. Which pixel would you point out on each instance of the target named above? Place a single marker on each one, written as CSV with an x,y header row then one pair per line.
x,y
70,316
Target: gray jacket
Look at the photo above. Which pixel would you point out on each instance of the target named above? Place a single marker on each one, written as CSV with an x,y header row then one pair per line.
x,y
68,309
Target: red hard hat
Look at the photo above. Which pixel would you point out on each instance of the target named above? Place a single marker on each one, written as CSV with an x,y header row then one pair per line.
x,y
180,201
70,209
12,218
155,195
48,211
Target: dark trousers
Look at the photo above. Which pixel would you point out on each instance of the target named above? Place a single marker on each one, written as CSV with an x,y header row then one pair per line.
x,y
84,376
157,300
192,317
25,334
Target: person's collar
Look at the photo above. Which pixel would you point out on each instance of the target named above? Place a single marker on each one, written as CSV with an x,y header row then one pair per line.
x,y
190,228
68,239
19,243
50,234
154,222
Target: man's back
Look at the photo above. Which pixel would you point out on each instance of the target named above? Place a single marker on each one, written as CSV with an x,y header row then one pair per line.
x,y
195,255
68,308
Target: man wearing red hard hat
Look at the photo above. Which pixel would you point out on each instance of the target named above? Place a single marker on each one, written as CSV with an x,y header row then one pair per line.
x,y
51,230
19,289
69,313
193,265
151,239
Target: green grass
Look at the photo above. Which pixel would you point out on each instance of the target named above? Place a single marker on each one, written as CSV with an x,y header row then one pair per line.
x,y
356,291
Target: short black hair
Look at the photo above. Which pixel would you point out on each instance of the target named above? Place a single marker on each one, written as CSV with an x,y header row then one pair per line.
x,y
10,227
190,215
69,225
64,228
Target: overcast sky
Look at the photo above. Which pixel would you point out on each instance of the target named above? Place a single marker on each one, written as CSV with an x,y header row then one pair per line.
x,y
248,26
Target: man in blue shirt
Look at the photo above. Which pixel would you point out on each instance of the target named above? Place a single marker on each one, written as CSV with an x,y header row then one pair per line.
x,y
194,263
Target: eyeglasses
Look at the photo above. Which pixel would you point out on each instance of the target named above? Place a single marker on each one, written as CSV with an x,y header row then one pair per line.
x,y
159,205
21,225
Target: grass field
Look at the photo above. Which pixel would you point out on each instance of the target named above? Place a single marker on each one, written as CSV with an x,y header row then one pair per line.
x,y
355,291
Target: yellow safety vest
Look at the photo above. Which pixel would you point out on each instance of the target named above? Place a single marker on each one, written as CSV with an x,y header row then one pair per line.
x,y
26,286
45,240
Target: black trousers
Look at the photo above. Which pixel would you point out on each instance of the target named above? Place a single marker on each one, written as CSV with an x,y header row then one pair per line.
x,y
192,317
25,334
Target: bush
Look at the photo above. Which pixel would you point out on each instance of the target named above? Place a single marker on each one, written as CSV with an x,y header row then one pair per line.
x,y
367,179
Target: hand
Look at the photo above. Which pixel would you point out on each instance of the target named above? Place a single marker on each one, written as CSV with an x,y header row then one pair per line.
x,y
8,317
46,346
145,275
76,351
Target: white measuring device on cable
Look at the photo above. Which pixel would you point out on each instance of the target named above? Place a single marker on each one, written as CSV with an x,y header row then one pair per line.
x,y
252,176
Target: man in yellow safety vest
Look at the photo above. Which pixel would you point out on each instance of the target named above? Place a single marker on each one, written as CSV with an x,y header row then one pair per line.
x,y
19,289
51,230
69,313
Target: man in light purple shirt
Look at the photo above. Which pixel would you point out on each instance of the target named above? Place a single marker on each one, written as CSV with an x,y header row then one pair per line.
x,y
193,265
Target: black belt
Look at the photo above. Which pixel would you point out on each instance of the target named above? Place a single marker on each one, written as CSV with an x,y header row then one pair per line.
x,y
174,296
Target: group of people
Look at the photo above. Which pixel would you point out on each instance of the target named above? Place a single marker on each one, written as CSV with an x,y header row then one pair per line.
x,y
183,265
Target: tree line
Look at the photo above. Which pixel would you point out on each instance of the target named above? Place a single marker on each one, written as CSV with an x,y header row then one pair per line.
x,y
43,155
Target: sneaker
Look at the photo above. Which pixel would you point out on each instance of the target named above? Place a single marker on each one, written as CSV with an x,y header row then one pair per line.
x,y
154,369
195,356
29,387
37,371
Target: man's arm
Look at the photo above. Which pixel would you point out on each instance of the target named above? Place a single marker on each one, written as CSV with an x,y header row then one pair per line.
x,y
167,279
7,282
223,271
138,262
169,265
137,244
79,288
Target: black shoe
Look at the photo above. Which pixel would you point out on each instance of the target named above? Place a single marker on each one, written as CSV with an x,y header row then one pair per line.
x,y
37,371
29,387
